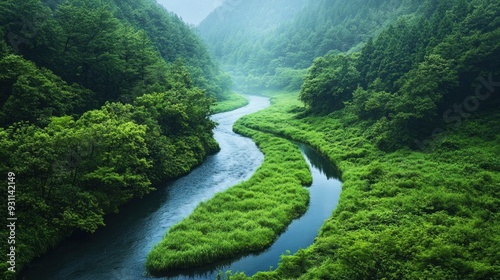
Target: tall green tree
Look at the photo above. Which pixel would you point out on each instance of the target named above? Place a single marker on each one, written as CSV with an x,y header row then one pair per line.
x,y
330,82
35,95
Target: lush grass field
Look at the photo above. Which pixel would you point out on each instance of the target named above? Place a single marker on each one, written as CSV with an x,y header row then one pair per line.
x,y
245,218
232,102
402,215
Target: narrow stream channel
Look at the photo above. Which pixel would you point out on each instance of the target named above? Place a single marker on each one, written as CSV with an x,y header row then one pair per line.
x,y
324,195
118,251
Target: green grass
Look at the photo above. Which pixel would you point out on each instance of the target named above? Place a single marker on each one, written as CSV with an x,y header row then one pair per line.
x,y
245,218
232,102
402,215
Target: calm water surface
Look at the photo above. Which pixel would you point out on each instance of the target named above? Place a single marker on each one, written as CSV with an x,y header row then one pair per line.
x,y
324,195
119,250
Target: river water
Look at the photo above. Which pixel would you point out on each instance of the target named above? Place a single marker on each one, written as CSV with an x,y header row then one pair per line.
x,y
119,250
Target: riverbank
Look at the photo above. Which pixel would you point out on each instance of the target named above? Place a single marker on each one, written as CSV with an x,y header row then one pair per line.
x,y
246,218
75,170
402,215
233,101
119,250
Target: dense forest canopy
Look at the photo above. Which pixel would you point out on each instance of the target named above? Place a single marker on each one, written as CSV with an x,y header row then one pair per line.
x,y
416,73
102,99
99,101
399,64
269,44
403,95
110,47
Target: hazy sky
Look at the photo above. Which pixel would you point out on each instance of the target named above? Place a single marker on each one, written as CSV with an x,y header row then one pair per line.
x,y
191,11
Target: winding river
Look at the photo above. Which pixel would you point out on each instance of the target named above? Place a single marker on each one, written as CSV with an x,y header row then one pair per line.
x,y
119,250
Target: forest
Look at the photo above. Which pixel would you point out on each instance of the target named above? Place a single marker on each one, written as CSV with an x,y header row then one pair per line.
x,y
103,100
100,101
262,51
402,96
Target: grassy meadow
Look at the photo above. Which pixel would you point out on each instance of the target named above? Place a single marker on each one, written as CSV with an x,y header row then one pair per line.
x,y
246,218
404,214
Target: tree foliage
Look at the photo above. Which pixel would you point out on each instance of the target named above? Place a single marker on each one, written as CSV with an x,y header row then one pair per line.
x,y
415,71
255,40
330,82
95,110
108,46
35,95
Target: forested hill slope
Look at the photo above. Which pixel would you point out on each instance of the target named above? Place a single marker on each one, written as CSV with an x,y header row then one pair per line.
x,y
99,101
82,41
270,43
412,120
421,75
230,28
173,39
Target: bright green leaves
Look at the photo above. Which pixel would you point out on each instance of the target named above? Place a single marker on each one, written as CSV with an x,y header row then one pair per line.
x,y
98,154
75,171
424,87
178,112
329,83
85,214
117,159
34,95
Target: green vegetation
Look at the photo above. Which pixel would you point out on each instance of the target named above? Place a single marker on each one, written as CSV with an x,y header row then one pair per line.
x,y
111,47
246,218
230,102
404,214
174,39
270,44
99,101
102,99
407,92
75,171
411,118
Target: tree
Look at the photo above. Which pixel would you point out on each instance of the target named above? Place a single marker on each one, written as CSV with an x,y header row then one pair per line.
x,y
330,82
35,95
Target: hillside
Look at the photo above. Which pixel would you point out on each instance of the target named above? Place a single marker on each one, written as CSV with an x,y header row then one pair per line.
x,y
414,79
408,109
269,44
100,101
